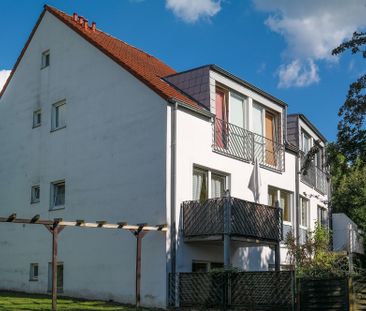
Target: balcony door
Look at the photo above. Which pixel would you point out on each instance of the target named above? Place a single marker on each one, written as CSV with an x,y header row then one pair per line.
x,y
221,118
270,139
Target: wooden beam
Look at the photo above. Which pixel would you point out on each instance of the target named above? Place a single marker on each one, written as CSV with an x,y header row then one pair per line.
x,y
81,223
35,218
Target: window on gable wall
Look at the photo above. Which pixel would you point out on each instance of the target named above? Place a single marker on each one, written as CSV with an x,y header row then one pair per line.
x,y
37,118
59,115
33,273
207,184
45,59
35,194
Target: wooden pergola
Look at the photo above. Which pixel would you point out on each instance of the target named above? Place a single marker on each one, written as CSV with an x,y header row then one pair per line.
x,y
58,224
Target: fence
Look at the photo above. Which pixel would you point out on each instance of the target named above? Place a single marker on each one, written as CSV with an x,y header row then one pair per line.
x,y
239,143
336,294
269,290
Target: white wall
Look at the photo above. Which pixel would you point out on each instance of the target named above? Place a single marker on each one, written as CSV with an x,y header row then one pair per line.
x,y
194,147
111,155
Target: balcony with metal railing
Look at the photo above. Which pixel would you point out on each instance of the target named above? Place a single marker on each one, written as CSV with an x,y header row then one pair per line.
x,y
239,143
315,176
241,220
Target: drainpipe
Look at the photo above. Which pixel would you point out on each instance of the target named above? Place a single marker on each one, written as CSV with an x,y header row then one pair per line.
x,y
297,197
173,179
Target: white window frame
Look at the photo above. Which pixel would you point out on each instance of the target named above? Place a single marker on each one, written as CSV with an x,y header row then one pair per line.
x,y
32,275
54,185
278,198
209,174
54,122
307,135
34,199
301,225
37,113
45,59
245,107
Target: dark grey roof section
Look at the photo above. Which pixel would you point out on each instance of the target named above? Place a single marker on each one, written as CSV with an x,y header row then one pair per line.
x,y
311,125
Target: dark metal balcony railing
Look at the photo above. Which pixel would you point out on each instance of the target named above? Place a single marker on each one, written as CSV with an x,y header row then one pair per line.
x,y
315,176
246,219
239,143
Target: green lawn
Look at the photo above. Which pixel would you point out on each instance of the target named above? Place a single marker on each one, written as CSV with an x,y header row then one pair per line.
x,y
10,301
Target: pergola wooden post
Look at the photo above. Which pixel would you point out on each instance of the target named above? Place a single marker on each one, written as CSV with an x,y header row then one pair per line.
x,y
57,225
54,229
139,234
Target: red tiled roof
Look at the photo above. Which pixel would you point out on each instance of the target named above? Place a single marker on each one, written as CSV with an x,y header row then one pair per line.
x,y
143,66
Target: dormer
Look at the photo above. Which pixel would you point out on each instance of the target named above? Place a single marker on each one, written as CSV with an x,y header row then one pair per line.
x,y
248,122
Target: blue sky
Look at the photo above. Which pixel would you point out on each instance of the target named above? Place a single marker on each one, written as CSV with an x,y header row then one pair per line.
x,y
281,46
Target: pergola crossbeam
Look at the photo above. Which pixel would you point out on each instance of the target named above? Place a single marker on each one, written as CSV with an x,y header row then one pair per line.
x,y
81,223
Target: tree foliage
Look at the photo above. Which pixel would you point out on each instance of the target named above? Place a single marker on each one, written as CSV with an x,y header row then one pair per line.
x,y
351,138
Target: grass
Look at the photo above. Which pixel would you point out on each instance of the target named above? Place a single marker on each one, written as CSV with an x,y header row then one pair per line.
x,y
13,301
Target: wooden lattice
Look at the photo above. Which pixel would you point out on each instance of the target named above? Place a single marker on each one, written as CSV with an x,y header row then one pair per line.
x,y
247,219
240,290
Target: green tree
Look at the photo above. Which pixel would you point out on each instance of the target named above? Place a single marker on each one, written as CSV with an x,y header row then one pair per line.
x,y
351,139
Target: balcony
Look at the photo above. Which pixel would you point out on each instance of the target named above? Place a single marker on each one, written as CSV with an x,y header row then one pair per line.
x,y
239,143
315,177
242,220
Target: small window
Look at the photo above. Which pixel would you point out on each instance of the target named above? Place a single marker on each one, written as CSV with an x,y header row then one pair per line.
x,y
58,195
37,118
200,184
35,194
45,59
59,115
305,142
60,277
33,273
304,212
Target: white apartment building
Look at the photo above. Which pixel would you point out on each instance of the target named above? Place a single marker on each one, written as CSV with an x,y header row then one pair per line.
x,y
96,129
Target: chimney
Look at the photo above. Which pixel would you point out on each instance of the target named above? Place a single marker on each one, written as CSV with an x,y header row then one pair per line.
x,y
86,24
93,26
81,20
75,17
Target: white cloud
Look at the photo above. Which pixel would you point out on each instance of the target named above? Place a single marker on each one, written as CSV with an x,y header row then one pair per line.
x,y
298,73
311,28
4,74
191,11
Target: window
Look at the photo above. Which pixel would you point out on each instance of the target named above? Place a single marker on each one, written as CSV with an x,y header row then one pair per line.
x,y
285,200
35,194
304,212
33,272
60,277
305,142
58,195
59,115
37,118
237,110
45,59
207,184
205,266
322,216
